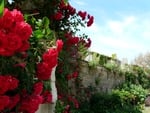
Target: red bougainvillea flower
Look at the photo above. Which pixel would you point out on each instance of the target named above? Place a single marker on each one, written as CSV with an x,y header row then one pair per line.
x,y
59,45
47,96
4,101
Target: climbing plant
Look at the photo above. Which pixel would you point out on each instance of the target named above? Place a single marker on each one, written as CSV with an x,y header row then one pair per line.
x,y
35,37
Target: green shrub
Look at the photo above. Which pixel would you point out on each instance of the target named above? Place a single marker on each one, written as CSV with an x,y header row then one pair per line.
x,y
111,103
133,94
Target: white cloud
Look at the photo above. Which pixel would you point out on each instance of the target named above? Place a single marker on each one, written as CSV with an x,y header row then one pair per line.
x,y
126,37
78,2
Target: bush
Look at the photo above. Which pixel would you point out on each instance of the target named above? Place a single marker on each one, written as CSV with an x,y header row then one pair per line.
x,y
111,103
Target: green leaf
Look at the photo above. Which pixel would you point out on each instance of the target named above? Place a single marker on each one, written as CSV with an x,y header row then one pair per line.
x,y
1,7
45,22
66,1
38,34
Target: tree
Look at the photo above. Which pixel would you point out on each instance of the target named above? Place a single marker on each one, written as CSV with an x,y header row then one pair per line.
x,y
143,60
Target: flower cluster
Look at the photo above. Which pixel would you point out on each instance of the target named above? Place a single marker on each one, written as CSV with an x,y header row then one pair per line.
x,y
30,62
49,61
30,103
15,54
8,83
76,41
14,33
64,11
84,15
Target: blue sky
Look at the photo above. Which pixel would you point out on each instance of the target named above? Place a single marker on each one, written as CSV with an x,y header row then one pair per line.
x,y
121,26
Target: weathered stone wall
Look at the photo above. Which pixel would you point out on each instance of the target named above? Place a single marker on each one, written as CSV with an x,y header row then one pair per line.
x,y
99,78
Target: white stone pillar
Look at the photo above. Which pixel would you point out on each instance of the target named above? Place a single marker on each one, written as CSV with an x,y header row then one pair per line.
x,y
50,107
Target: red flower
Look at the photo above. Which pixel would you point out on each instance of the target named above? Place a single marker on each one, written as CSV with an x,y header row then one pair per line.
x,y
13,101
22,65
37,88
13,42
4,86
47,97
88,44
23,29
91,20
74,101
59,44
75,75
58,16
4,101
13,82
72,40
72,10
14,33
7,20
25,46
50,57
30,104
7,82
82,14
17,15
3,44
67,109
43,71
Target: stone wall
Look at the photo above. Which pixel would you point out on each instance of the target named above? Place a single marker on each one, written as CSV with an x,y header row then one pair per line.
x,y
99,78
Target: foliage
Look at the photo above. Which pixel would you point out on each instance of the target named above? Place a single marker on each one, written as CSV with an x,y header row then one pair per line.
x,y
131,94
127,98
108,103
137,75
1,7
